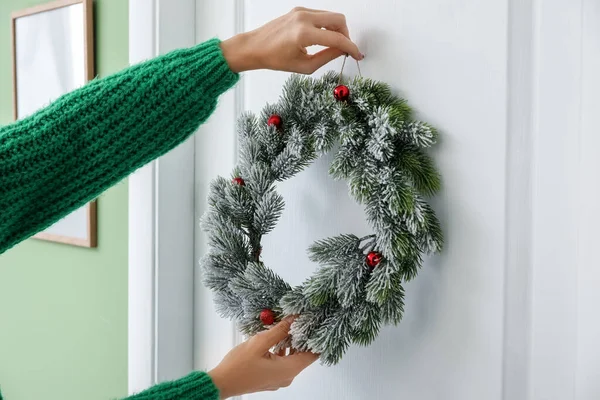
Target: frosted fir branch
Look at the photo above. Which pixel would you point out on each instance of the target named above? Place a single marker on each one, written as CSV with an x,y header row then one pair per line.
x,y
321,287
219,208
217,191
240,203
384,280
352,133
332,337
362,182
430,237
304,327
288,163
251,154
223,265
419,133
214,222
370,94
328,81
228,304
270,138
325,135
297,154
315,107
419,167
253,303
332,249
392,311
246,126
366,322
266,282
267,212
344,162
224,237
259,180
414,218
409,267
381,139
352,280
215,281
400,198
298,142
294,302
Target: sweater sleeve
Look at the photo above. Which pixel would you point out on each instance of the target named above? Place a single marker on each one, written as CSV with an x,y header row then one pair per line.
x,y
195,386
66,154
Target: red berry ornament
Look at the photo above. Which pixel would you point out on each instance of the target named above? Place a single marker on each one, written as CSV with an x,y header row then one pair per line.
x,y
239,181
341,93
275,120
374,258
267,317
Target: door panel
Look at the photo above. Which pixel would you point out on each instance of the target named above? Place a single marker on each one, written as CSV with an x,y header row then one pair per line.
x,y
448,59
479,320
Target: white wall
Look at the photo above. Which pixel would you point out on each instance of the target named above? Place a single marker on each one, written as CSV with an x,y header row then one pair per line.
x,y
508,310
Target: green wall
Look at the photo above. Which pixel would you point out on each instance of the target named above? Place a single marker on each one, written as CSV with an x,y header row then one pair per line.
x,y
63,310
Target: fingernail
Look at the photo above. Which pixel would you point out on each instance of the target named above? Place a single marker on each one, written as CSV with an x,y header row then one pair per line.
x,y
289,318
362,56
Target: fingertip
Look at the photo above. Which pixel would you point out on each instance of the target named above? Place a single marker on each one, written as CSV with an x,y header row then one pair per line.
x,y
275,334
358,55
285,323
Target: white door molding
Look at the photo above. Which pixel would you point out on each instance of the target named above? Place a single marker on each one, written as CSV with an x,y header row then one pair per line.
x,y
519,169
161,222
557,194
216,155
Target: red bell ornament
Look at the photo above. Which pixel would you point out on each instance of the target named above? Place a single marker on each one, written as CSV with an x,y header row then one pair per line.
x,y
373,258
267,317
238,181
341,93
275,120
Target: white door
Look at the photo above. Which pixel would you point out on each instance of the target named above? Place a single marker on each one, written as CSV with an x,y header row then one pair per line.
x,y
506,311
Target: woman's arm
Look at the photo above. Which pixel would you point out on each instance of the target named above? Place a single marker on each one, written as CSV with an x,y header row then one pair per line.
x,y
86,141
68,153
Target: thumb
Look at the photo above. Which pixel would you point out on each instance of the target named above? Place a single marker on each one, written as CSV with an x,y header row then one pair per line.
x,y
299,361
267,339
321,58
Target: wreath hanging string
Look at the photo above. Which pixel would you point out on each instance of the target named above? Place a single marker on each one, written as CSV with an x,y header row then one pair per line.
x,y
381,151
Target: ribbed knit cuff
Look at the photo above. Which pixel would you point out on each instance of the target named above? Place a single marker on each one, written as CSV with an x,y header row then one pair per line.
x,y
195,386
209,67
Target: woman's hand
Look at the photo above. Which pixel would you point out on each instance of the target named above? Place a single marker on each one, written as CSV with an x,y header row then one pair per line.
x,y
251,367
281,44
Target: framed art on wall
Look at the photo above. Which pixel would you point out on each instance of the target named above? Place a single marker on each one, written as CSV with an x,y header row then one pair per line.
x,y
52,49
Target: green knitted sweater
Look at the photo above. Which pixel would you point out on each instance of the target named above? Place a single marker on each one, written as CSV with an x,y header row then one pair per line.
x,y
69,152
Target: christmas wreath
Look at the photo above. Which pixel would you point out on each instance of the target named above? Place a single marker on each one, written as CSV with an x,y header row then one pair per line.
x,y
381,151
